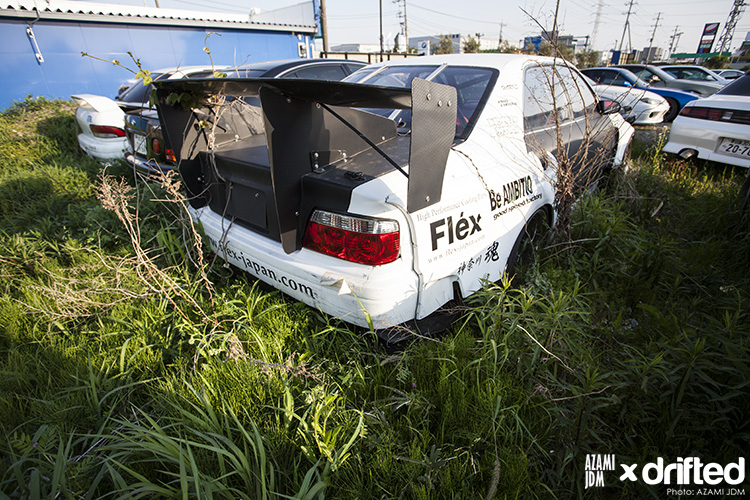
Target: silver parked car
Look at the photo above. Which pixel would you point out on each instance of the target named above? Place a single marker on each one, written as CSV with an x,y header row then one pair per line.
x,y
658,78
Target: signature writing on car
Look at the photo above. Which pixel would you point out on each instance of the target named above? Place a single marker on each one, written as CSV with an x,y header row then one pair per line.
x,y
490,255
259,270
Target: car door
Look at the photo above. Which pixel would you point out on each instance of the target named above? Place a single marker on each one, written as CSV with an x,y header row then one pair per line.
x,y
585,134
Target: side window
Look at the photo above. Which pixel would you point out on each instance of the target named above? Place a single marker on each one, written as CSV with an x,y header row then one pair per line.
x,y
537,98
351,68
327,72
594,75
571,96
578,93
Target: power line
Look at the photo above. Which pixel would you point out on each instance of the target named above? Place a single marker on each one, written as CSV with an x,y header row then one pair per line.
x,y
453,16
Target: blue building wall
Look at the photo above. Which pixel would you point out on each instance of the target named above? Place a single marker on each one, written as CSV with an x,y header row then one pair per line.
x,y
64,71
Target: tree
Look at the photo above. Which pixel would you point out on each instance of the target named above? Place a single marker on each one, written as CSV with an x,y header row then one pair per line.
x,y
471,45
445,45
546,49
717,62
507,48
587,59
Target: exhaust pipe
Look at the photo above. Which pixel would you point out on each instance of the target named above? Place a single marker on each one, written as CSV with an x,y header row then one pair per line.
x,y
687,154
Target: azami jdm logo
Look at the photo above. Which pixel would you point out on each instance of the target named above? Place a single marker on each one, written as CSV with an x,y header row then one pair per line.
x,y
685,472
595,467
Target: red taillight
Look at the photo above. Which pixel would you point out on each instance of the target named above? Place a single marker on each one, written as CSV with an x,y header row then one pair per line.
x,y
170,156
107,131
156,146
365,241
702,113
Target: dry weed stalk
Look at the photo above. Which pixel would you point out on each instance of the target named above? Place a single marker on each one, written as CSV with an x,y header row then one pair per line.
x,y
116,195
84,291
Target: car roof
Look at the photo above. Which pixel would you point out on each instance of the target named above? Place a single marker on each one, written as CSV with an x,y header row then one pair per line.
x,y
278,66
497,61
624,71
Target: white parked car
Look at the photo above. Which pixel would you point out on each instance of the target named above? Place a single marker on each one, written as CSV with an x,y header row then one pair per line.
x,y
715,128
380,199
101,120
637,106
102,125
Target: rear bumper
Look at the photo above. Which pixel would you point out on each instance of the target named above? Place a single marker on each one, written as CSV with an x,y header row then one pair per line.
x,y
103,149
383,295
705,137
147,167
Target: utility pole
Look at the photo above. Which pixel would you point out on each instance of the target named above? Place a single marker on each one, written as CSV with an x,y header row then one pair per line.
x,y
651,41
382,47
725,41
406,31
627,26
324,25
674,40
500,42
404,27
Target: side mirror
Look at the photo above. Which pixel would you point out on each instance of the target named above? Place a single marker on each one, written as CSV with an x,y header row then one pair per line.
x,y
607,107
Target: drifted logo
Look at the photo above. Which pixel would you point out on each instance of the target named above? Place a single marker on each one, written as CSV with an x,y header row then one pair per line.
x,y
685,472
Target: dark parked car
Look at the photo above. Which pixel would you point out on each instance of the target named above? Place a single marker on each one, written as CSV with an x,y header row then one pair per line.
x,y
151,153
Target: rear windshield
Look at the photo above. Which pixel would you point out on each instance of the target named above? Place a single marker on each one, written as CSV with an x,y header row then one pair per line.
x,y
139,92
741,86
472,84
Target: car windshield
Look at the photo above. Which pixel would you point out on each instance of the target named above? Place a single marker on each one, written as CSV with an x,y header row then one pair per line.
x,y
740,86
472,85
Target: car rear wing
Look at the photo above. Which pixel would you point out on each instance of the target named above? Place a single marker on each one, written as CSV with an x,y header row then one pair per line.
x,y
310,125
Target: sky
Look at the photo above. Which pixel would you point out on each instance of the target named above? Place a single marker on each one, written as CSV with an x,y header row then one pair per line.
x,y
357,21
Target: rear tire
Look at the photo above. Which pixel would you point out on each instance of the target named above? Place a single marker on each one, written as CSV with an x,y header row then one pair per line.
x,y
673,111
528,242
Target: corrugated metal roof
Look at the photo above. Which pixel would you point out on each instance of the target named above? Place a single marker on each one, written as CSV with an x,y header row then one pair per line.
x,y
300,18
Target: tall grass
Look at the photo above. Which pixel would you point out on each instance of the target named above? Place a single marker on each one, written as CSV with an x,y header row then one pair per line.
x,y
117,383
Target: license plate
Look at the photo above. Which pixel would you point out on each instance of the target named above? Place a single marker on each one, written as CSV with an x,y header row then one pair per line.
x,y
139,142
735,147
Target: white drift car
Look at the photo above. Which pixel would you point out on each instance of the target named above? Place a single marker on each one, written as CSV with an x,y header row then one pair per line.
x,y
382,200
715,128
